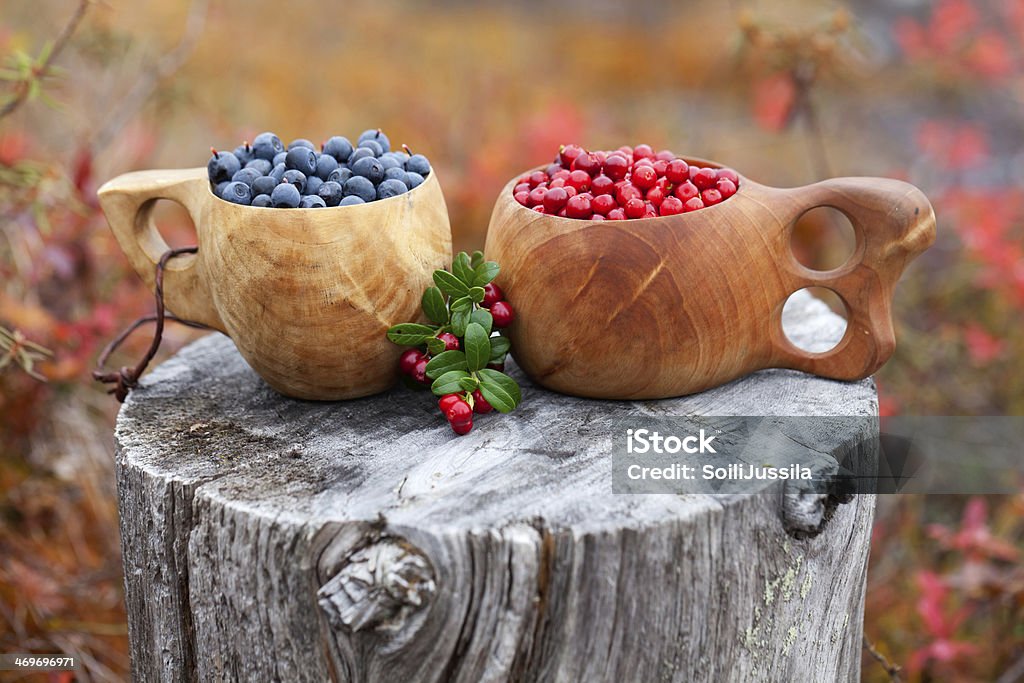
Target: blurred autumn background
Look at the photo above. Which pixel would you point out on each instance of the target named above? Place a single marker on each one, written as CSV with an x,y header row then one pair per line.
x,y
786,91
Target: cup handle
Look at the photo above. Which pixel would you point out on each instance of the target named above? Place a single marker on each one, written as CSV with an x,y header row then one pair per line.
x,y
893,222
128,201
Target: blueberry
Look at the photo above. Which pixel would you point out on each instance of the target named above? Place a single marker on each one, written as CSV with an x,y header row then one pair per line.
x,y
400,156
278,173
361,153
221,166
391,188
301,142
311,201
360,187
373,146
331,192
351,200
377,136
313,184
369,168
413,180
418,163
340,175
338,147
285,196
219,187
237,193
264,185
389,162
246,175
261,200
325,165
279,158
395,173
296,178
243,153
301,159
266,145
261,165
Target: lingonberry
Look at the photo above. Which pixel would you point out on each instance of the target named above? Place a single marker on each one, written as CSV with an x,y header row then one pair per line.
x,y
602,204
711,197
580,180
677,171
492,295
665,185
728,174
587,163
626,151
554,199
552,169
557,182
602,184
643,162
626,192
451,342
635,208
502,314
561,213
694,204
562,174
570,190
686,191
726,187
650,211
642,152
447,401
578,206
655,196
500,367
523,198
659,166
665,155
597,217
538,177
537,195
419,371
539,208
617,214
705,178
644,177
671,206
462,428
480,404
568,154
521,187
459,415
407,361
616,166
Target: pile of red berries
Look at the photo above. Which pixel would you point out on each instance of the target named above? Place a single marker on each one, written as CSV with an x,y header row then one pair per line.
x,y
627,183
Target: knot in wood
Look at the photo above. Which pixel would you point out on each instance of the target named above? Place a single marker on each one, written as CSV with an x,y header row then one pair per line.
x,y
378,587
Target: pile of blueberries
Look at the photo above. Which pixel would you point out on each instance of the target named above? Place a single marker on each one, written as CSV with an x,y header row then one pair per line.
x,y
266,174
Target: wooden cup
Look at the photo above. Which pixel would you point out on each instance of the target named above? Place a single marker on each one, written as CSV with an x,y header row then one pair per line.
x,y
674,305
306,294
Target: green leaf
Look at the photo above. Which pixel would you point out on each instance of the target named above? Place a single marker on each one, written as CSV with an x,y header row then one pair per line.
x,y
469,383
446,362
477,259
476,294
462,270
448,383
459,321
485,272
449,284
463,303
410,334
483,317
435,346
434,306
499,347
500,390
478,346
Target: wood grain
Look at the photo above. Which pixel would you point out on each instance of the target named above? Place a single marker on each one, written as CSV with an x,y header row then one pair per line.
x,y
268,539
306,294
673,305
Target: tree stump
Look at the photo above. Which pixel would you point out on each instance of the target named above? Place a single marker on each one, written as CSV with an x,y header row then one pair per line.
x,y
269,539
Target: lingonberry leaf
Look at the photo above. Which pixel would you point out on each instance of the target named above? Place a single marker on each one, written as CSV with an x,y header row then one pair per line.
x,y
462,270
446,362
483,317
499,347
435,346
469,383
448,383
477,259
484,273
477,345
500,390
410,334
463,303
449,284
459,321
434,306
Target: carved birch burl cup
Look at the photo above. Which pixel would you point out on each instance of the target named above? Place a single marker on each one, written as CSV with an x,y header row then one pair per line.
x,y
673,305
306,294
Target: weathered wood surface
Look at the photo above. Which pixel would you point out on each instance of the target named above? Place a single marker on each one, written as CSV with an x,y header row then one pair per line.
x,y
268,539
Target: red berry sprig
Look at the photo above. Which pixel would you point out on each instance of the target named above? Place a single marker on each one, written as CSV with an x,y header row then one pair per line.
x,y
461,354
623,184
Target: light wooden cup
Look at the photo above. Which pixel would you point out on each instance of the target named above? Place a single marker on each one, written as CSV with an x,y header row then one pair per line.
x,y
306,294
674,305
